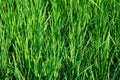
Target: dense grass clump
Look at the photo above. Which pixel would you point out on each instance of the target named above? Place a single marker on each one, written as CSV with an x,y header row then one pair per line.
x,y
60,39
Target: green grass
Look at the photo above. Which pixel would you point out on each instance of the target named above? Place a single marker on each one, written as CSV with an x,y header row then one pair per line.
x,y
60,39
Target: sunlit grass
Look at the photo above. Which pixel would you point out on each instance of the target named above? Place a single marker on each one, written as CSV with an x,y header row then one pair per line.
x,y
60,39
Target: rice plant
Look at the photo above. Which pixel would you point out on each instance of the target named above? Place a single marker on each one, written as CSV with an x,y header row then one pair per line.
x,y
59,39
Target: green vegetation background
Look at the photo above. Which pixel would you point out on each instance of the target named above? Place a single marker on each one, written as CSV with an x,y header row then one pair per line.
x,y
60,39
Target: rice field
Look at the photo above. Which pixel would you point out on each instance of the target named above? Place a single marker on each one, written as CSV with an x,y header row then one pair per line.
x,y
59,39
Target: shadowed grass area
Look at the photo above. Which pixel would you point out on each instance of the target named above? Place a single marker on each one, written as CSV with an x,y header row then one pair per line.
x,y
60,39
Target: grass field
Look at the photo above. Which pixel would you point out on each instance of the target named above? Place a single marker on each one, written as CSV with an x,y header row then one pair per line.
x,y
60,39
